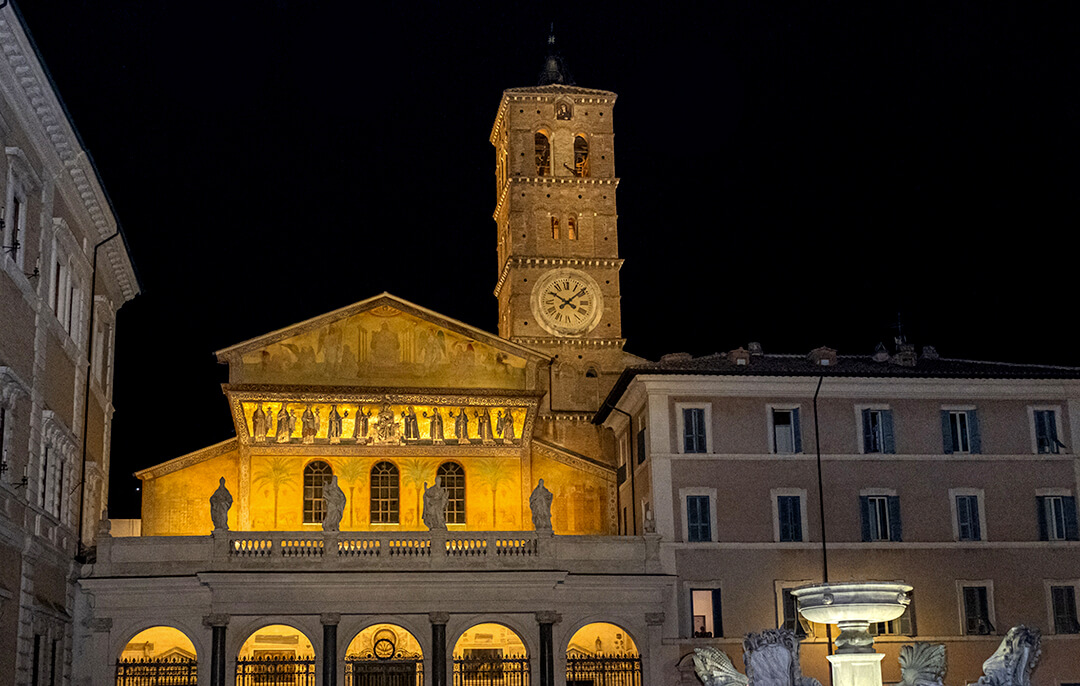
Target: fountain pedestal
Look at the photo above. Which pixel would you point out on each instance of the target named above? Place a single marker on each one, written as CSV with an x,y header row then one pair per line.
x,y
853,606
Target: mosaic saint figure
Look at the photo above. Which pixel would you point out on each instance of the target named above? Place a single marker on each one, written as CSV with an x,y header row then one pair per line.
x,y
284,424
384,346
540,504
461,425
385,427
335,504
435,429
333,427
410,424
483,426
258,424
309,424
505,425
360,429
435,500
220,502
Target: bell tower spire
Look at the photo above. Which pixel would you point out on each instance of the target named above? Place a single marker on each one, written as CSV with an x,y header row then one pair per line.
x,y
554,70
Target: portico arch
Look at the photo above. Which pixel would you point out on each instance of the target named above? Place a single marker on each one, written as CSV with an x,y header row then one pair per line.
x,y
602,652
276,652
158,654
491,652
384,653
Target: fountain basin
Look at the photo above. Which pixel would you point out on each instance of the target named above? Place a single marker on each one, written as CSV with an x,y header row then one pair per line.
x,y
853,606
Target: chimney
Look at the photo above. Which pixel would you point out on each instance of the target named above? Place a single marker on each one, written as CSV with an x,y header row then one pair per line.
x,y
881,353
905,355
740,357
755,349
825,357
929,352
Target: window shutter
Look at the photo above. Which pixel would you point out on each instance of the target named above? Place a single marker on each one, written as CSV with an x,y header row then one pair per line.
x,y
907,620
866,431
641,446
796,515
717,614
946,432
796,430
1040,517
1071,533
864,510
975,511
974,437
889,443
971,609
688,430
895,529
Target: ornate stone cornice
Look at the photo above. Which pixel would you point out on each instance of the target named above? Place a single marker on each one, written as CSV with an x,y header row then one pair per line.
x,y
615,263
570,459
183,461
551,93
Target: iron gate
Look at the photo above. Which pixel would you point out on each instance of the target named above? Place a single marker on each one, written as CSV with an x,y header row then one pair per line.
x,y
367,671
177,671
603,670
275,671
491,671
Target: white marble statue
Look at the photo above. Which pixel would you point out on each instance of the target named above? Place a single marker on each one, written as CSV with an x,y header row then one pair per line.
x,y
1012,663
715,668
772,659
335,505
540,504
435,499
922,664
220,502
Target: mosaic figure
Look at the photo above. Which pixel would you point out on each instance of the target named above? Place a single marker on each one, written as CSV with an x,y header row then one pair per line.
x,y
483,426
333,427
284,424
435,429
360,429
384,429
505,425
258,424
461,425
410,424
309,424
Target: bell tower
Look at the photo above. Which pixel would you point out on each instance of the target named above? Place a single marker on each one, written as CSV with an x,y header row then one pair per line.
x,y
558,256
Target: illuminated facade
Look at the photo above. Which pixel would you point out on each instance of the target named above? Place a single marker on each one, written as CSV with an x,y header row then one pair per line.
x,y
64,273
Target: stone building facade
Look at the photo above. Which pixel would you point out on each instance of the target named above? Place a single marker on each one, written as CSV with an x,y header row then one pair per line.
x,y
64,273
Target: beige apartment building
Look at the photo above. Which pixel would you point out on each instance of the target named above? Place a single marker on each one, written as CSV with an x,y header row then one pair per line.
x,y
957,477
64,273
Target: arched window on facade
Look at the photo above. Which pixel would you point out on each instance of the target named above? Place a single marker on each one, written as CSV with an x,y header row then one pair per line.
x,y
543,154
555,228
316,474
581,156
384,493
453,480
571,227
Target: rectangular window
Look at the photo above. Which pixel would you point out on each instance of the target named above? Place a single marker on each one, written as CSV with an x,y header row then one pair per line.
x,y
641,445
967,518
1057,518
789,513
35,670
877,431
791,614
904,626
977,611
694,430
880,517
1046,437
960,432
958,429
1063,600
57,281
786,434
16,229
705,607
698,528
44,476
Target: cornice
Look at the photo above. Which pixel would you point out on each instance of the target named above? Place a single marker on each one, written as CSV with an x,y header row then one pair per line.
x,y
183,461
552,181
538,94
577,342
571,459
615,263
55,133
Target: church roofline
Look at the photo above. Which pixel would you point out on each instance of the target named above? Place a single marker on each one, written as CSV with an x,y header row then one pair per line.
x,y
383,298
188,459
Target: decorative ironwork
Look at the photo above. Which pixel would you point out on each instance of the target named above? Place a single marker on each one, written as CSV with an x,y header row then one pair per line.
x,y
603,670
384,665
485,670
177,671
284,670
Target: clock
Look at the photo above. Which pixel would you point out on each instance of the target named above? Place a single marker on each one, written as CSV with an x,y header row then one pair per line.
x,y
567,302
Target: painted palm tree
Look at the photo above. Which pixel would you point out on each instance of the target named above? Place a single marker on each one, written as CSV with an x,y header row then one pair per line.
x,y
352,471
276,472
415,473
493,473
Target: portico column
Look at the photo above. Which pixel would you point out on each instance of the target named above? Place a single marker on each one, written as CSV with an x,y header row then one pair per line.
x,y
438,647
217,623
547,620
330,621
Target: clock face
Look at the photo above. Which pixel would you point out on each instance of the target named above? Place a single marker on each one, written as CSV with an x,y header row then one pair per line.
x,y
567,302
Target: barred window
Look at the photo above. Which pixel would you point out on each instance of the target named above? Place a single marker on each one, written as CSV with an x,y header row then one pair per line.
x,y
316,474
384,493
453,480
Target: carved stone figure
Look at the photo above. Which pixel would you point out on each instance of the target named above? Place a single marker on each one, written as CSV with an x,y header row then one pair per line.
x,y
505,426
258,424
333,427
649,524
922,664
360,429
410,424
220,502
435,499
1013,661
335,504
483,426
284,425
461,425
309,424
540,504
772,659
435,429
384,429
715,668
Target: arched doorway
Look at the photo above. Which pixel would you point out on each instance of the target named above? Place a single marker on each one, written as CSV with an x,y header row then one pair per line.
x,y
490,655
384,655
602,654
276,655
158,656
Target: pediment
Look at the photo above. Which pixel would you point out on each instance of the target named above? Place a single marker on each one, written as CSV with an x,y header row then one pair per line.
x,y
383,341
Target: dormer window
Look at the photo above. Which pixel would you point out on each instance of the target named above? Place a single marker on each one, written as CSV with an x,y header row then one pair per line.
x,y
543,154
823,357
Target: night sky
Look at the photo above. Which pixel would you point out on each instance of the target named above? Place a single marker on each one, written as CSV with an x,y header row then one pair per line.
x,y
791,174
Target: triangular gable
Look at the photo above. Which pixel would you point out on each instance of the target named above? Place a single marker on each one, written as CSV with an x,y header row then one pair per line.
x,y
383,341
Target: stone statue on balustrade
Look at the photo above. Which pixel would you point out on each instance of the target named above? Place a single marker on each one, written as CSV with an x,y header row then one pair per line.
x,y
715,668
922,664
772,659
220,502
258,424
540,504
1013,661
435,500
335,505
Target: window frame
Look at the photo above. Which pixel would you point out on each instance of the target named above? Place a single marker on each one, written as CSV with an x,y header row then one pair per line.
x,y
680,423
15,230
452,514
861,434
991,617
1041,497
317,492
1056,409
393,499
796,428
714,588
684,499
774,495
803,627
1049,585
980,497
